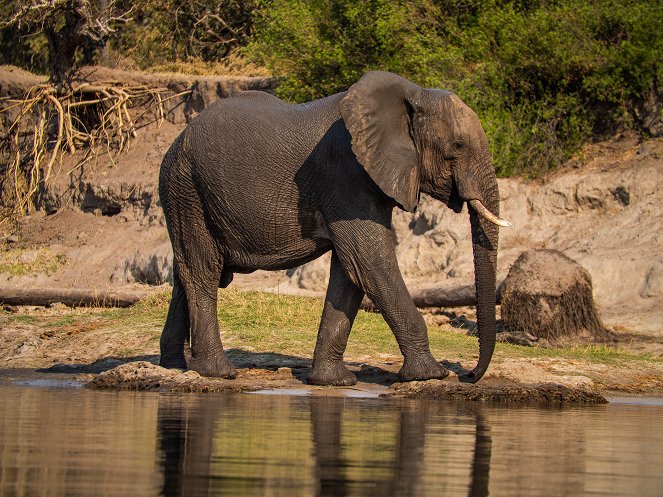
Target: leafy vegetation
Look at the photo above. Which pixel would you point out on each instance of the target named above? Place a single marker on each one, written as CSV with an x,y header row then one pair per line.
x,y
545,76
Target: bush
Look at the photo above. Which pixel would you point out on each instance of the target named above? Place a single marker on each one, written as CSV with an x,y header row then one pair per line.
x,y
545,77
174,31
321,47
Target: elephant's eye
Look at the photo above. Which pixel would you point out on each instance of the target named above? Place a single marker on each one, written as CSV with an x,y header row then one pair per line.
x,y
458,145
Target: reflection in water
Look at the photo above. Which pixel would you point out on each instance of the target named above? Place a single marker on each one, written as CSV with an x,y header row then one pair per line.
x,y
407,458
75,442
481,462
349,452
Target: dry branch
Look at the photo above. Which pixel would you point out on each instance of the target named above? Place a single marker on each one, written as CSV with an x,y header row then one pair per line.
x,y
69,297
49,123
458,296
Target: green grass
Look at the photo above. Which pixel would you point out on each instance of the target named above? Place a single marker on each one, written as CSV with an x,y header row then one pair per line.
x,y
18,262
24,319
265,322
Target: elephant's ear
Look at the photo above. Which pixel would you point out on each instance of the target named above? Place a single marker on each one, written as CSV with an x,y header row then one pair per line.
x,y
376,111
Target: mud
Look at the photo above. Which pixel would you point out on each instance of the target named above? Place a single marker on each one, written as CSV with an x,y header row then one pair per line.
x,y
498,392
146,376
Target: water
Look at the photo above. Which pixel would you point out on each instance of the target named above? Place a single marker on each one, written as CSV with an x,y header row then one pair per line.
x,y
76,442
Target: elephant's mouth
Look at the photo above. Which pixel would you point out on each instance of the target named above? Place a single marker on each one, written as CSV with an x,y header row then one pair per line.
x,y
455,202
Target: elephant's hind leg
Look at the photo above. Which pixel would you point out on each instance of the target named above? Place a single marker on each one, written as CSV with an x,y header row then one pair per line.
x,y
341,306
200,274
176,330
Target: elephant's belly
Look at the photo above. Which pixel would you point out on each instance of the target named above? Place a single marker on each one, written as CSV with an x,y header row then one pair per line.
x,y
272,239
245,261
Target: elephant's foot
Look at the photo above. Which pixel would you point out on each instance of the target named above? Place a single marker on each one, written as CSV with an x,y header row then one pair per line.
x,y
331,374
423,367
218,366
172,362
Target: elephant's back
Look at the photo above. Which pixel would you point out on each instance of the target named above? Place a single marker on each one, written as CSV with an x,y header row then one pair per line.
x,y
263,125
249,156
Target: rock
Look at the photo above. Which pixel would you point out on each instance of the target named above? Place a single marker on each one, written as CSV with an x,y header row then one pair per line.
x,y
548,295
517,338
152,268
143,375
312,276
653,285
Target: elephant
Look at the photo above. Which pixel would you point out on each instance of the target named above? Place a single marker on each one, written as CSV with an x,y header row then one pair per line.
x,y
255,183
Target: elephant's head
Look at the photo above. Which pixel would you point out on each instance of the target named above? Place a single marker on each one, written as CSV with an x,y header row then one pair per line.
x,y
411,140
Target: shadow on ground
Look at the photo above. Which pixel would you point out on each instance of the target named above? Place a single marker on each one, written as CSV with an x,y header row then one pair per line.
x,y
243,360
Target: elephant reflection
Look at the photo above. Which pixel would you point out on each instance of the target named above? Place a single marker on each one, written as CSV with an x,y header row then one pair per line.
x,y
190,444
406,468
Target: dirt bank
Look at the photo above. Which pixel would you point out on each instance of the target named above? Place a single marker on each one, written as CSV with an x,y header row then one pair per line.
x,y
64,344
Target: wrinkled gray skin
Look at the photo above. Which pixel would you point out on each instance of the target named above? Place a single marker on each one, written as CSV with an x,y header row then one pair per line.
x,y
256,183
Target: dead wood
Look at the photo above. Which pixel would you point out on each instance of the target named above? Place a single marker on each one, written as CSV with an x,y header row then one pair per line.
x,y
83,297
45,124
458,296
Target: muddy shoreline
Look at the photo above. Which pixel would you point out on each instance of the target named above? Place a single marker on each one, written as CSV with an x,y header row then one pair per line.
x,y
377,380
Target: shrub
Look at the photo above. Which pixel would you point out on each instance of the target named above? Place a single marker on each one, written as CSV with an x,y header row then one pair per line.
x,y
544,77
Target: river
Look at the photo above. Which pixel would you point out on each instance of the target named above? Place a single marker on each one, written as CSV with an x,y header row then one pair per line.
x,y
60,440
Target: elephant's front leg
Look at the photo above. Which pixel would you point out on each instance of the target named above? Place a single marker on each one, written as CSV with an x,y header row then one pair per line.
x,y
341,306
368,253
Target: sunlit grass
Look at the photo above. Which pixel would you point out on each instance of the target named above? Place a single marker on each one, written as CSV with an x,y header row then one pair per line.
x,y
18,262
265,322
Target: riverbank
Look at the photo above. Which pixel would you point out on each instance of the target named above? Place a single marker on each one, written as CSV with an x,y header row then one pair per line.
x,y
271,338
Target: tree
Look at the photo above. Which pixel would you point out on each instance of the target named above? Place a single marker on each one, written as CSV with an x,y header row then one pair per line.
x,y
72,27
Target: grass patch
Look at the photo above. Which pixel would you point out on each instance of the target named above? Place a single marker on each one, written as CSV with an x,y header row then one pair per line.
x,y
20,262
24,319
593,353
264,322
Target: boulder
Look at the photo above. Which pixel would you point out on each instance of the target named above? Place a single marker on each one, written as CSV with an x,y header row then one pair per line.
x,y
549,296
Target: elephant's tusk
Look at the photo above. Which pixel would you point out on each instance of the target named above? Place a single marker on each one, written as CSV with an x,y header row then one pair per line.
x,y
485,213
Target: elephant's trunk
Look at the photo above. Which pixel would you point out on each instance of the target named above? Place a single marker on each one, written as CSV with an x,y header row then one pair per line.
x,y
484,244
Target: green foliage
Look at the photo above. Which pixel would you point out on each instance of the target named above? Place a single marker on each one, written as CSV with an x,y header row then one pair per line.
x,y
22,49
544,77
321,47
167,31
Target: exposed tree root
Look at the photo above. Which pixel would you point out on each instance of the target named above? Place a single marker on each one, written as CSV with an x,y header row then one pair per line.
x,y
45,124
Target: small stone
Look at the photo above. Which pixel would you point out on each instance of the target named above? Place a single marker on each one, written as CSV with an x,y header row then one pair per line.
x,y
13,239
57,306
653,283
